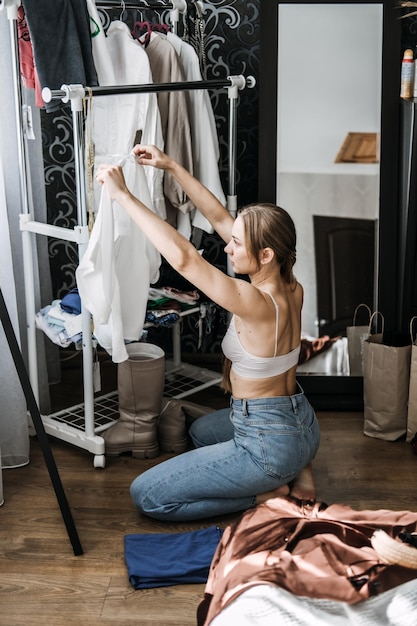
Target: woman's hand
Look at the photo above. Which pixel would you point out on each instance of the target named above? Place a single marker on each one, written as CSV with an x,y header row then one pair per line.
x,y
112,177
201,197
151,155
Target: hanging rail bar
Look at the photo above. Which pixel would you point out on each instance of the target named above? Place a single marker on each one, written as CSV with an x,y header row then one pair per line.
x,y
68,92
180,5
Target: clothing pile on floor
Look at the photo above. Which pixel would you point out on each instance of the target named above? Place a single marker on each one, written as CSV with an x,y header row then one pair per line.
x,y
285,562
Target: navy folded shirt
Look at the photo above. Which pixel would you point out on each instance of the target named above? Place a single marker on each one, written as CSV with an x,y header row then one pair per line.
x,y
71,302
165,559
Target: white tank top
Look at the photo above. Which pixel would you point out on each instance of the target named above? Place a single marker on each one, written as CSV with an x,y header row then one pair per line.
x,y
250,366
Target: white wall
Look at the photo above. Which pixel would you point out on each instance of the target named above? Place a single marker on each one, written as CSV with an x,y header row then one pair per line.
x,y
329,80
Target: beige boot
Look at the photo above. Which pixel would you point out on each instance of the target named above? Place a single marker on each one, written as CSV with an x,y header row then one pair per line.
x,y
173,422
140,384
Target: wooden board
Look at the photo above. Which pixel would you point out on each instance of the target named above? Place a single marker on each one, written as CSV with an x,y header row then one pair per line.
x,y
359,148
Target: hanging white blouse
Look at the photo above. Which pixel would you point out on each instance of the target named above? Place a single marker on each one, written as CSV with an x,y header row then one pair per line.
x,y
174,108
114,274
101,56
119,264
120,121
205,143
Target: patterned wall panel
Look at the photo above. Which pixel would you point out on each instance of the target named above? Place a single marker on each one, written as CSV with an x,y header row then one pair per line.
x,y
228,45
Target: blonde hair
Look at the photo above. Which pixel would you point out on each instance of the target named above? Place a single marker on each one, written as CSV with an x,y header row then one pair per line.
x,y
267,226
270,226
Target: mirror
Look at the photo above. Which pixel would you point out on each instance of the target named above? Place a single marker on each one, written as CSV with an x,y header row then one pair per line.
x,y
322,97
325,74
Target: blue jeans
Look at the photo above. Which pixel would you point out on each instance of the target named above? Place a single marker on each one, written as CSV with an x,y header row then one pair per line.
x,y
254,447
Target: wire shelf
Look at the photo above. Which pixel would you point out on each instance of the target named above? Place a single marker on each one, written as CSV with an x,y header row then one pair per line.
x,y
106,411
181,380
184,379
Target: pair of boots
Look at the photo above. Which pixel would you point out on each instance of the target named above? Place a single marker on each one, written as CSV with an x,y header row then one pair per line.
x,y
148,422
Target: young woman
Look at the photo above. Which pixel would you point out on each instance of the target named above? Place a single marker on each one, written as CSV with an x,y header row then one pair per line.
x,y
262,446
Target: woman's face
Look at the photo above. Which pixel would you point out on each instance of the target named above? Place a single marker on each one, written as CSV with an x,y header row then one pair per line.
x,y
241,259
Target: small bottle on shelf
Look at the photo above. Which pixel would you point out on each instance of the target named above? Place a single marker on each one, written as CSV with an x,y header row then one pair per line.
x,y
415,75
407,74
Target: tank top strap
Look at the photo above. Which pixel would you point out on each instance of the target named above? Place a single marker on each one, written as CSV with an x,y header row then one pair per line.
x,y
276,320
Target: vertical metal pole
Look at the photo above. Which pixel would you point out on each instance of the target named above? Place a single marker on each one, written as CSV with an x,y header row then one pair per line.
x,y
231,194
82,219
237,82
177,7
176,344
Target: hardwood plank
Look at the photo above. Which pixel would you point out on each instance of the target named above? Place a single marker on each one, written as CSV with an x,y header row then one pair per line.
x,y
360,471
176,605
46,597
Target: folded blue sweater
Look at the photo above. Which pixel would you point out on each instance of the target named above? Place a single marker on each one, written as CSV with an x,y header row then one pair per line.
x,y
162,560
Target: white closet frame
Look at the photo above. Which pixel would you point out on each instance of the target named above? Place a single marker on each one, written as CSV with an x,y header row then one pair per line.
x,y
82,424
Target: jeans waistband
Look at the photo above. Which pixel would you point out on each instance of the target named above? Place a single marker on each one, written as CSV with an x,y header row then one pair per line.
x,y
275,401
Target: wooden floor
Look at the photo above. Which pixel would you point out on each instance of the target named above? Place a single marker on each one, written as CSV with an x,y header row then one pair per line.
x,y
41,581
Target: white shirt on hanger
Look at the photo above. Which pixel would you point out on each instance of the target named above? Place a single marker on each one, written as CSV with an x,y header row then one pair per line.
x,y
119,264
101,56
175,111
118,119
206,151
115,272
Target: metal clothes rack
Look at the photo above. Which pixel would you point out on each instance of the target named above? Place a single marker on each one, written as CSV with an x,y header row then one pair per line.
x,y
82,424
76,93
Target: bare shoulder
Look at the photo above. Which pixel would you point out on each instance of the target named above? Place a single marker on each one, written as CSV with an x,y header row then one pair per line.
x,y
299,292
292,293
290,302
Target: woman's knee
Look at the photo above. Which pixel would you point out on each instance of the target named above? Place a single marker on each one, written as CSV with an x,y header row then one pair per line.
x,y
213,428
146,501
137,490
146,489
197,432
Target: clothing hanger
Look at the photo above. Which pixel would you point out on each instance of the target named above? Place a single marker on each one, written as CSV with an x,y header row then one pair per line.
x,y
122,11
160,28
137,32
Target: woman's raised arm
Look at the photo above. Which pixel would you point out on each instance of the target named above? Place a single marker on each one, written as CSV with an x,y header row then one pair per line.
x,y
200,196
227,292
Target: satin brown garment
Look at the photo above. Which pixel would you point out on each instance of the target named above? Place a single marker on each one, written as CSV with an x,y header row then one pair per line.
x,y
316,550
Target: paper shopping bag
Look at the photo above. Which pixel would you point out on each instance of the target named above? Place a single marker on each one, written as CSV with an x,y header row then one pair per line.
x,y
412,390
356,335
386,375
